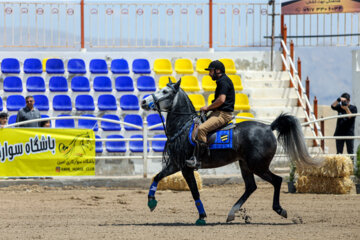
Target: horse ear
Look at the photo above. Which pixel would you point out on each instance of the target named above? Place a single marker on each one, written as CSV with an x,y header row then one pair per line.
x,y
177,85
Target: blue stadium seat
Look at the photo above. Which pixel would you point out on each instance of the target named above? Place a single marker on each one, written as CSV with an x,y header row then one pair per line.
x,y
80,84
62,103
15,102
84,103
46,116
141,66
119,146
124,84
120,66
10,65
107,102
137,146
158,146
64,123
1,104
33,65
12,119
129,102
58,84
35,84
133,119
76,66
146,83
102,84
98,66
108,126
88,124
41,102
154,119
98,145
13,84
55,66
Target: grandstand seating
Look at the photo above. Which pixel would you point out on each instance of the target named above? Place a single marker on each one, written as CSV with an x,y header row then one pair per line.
x,y
163,80
64,123
154,119
184,66
1,104
129,102
13,84
109,126
88,124
197,100
208,84
41,102
32,66
12,119
84,103
98,66
133,119
15,102
244,114
76,66
201,64
119,66
137,146
80,84
124,84
229,65
190,84
102,84
55,66
107,102
98,145
158,146
162,66
119,146
62,103
146,83
236,82
58,84
141,66
35,84
241,102
10,65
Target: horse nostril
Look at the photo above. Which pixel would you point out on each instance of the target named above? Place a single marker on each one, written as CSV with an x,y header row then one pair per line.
x,y
143,102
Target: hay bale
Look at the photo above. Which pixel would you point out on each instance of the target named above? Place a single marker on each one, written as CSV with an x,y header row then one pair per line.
x,y
312,184
334,166
177,182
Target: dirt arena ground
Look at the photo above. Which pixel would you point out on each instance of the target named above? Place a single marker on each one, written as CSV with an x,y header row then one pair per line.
x,y
33,212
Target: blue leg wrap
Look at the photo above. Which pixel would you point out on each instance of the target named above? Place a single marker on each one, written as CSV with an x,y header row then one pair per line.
x,y
153,188
199,206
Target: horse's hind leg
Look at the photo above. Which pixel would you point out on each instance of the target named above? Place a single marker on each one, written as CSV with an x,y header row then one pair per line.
x,y
168,170
250,187
276,182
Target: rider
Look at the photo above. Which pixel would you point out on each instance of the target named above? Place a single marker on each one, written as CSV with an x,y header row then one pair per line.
x,y
222,107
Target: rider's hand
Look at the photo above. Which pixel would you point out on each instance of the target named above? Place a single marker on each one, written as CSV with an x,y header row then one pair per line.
x,y
204,109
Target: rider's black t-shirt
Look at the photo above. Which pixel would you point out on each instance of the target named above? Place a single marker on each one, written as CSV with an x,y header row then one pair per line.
x,y
225,86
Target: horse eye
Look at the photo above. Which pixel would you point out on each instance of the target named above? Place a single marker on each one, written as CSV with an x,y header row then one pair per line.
x,y
165,91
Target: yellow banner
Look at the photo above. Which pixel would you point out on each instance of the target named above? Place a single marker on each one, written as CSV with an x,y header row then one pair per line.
x,y
46,152
319,6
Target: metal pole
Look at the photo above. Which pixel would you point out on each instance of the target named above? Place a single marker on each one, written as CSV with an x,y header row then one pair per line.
x,y
272,2
82,24
299,74
316,116
322,126
210,24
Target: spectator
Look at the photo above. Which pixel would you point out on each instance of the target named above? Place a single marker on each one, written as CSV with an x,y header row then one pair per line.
x,y
344,126
3,119
45,124
28,112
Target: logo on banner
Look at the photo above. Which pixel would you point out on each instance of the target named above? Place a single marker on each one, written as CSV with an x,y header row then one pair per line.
x,y
81,141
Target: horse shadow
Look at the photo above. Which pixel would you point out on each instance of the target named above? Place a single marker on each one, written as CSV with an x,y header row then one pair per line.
x,y
182,224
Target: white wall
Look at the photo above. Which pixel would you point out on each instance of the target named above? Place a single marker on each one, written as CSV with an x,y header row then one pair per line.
x,y
355,98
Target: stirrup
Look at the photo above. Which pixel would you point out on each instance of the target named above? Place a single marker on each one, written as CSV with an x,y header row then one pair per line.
x,y
193,162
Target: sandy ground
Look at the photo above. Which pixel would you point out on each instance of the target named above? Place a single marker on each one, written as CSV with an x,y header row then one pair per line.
x,y
33,212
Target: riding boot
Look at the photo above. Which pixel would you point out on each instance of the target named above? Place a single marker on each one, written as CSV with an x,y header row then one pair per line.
x,y
201,149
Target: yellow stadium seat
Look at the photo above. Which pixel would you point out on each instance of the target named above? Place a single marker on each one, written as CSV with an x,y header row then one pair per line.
x,y
197,100
208,84
44,64
229,65
165,80
163,66
201,64
244,114
211,97
237,82
241,102
190,83
184,66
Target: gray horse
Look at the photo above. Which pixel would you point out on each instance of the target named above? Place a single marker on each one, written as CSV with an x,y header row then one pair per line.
x,y
254,146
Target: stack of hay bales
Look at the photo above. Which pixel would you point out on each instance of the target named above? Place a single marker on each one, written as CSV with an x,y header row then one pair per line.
x,y
332,177
177,182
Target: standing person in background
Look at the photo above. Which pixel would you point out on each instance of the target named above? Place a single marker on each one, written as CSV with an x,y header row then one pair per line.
x,y
29,112
344,126
3,119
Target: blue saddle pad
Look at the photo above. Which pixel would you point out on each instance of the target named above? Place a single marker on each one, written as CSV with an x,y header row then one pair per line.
x,y
224,139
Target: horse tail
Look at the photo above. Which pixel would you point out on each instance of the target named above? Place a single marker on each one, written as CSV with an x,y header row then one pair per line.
x,y
292,139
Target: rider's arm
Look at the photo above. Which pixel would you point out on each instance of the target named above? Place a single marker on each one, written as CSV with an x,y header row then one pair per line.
x,y
217,103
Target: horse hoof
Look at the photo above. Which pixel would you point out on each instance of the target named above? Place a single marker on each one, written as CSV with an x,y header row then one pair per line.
x,y
283,213
152,204
200,222
230,218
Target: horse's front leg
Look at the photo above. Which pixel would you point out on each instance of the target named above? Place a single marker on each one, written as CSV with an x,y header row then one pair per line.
x,y
168,170
188,174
